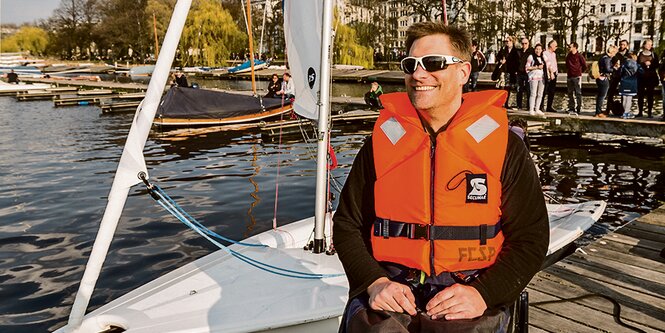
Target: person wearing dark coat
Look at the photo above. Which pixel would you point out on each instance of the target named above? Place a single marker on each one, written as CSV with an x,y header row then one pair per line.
x,y
274,86
603,82
648,80
181,80
616,77
12,77
509,60
523,88
630,71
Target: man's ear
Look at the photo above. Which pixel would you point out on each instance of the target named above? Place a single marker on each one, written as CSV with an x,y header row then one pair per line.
x,y
464,72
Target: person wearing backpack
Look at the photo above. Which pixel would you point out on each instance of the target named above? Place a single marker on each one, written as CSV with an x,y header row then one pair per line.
x,y
602,72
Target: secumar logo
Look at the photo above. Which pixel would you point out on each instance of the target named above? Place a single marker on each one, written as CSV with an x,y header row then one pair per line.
x,y
311,77
476,188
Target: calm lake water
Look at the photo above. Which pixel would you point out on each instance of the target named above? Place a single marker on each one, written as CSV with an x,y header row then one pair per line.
x,y
57,165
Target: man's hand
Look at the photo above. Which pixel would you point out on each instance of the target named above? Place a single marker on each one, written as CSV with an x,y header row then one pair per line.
x,y
456,302
391,296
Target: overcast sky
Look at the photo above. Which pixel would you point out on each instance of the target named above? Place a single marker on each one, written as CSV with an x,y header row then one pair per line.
x,y
26,11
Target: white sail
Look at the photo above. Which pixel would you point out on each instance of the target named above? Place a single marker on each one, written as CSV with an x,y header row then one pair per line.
x,y
302,28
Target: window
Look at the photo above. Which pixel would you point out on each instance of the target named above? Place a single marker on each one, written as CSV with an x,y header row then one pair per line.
x,y
544,25
638,14
638,28
623,7
616,24
592,10
613,8
592,24
602,9
544,12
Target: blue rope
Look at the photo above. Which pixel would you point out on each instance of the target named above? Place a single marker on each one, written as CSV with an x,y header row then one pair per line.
x,y
177,207
174,209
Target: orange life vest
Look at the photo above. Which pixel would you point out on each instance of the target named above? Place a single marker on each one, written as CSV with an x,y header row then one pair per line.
x,y
438,206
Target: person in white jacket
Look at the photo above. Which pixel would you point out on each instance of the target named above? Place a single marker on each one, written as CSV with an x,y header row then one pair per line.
x,y
535,65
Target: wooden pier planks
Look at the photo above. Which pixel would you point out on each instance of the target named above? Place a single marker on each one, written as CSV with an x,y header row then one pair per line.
x,y
624,265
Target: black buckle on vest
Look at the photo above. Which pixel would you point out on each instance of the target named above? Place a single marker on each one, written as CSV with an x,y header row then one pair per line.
x,y
418,231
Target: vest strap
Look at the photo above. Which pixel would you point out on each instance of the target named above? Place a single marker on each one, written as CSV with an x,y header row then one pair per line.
x,y
386,228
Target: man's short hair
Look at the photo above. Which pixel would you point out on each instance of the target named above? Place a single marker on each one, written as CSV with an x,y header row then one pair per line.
x,y
623,41
459,38
574,44
550,43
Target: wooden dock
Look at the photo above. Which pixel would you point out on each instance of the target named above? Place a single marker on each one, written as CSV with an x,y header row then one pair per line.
x,y
624,268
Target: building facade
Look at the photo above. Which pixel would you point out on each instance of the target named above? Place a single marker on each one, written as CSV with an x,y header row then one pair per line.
x,y
599,22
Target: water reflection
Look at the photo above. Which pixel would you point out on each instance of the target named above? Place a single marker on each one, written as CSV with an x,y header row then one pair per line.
x,y
56,168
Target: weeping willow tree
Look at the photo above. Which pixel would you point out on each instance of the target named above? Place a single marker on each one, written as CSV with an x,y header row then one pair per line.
x,y
348,50
30,39
210,35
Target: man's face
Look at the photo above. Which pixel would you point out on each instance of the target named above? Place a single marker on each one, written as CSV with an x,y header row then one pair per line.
x,y
553,46
431,90
525,43
623,46
286,78
572,48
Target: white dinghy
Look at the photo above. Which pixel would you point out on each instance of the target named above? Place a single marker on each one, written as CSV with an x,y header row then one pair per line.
x,y
241,288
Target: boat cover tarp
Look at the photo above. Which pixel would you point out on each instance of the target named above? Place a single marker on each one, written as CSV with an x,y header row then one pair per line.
x,y
193,103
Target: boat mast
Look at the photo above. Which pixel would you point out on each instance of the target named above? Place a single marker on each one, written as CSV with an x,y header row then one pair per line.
x,y
251,44
154,24
323,135
131,164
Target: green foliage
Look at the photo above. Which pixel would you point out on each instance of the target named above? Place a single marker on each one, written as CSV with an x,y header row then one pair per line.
x,y
209,35
28,38
347,49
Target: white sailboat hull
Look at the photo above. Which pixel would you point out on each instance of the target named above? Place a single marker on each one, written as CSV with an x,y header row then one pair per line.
x,y
219,293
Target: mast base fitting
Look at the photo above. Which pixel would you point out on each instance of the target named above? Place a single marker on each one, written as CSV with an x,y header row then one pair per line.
x,y
319,246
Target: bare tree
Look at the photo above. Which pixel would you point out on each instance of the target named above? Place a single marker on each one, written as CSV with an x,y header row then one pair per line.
x,y
486,22
530,14
573,12
71,27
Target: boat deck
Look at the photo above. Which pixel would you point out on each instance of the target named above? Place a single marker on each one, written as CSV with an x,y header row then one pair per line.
x,y
578,293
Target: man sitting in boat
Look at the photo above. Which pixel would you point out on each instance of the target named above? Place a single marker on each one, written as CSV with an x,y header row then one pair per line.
x,y
372,96
288,91
12,77
442,217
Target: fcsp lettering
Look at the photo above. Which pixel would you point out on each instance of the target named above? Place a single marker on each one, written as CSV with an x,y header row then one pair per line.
x,y
476,253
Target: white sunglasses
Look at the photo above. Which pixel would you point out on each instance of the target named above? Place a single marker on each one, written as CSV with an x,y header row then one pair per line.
x,y
430,62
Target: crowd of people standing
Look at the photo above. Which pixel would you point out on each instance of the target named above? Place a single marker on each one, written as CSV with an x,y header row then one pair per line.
x,y
531,72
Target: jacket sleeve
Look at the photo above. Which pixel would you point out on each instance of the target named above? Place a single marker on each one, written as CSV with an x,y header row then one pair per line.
x,y
525,227
352,223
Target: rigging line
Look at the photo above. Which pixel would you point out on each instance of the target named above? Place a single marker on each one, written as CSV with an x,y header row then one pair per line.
x,y
182,214
253,262
279,161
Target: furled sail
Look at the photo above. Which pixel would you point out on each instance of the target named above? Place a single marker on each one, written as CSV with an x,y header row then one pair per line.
x,y
302,28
